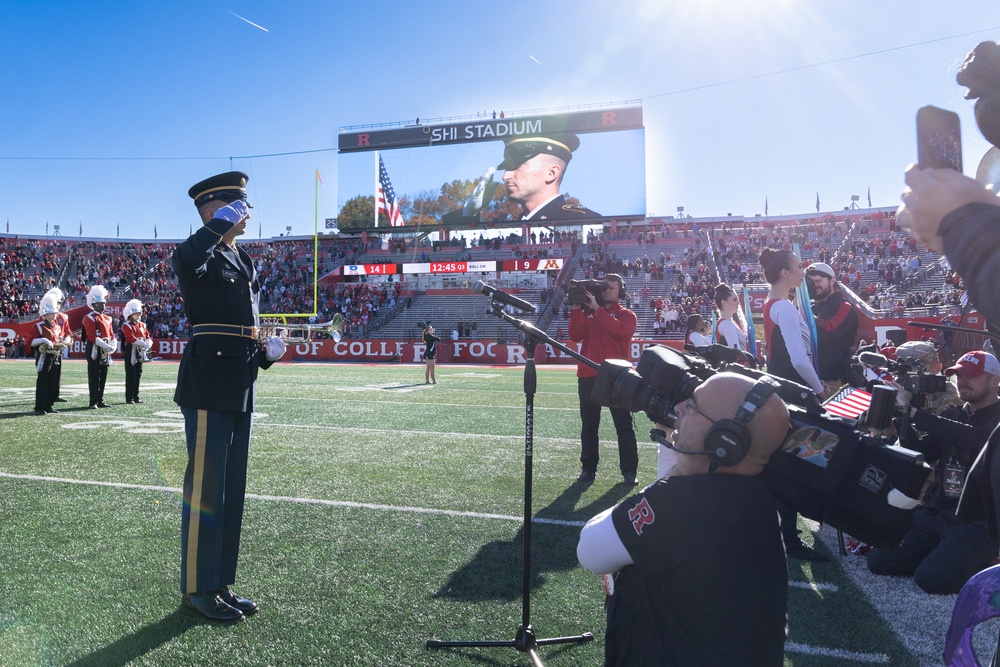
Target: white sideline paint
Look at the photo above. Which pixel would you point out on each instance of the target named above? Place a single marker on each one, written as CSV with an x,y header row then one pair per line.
x,y
852,656
789,646
813,586
300,501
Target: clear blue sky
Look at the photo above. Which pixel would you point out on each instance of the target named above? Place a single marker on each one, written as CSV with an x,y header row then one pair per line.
x,y
110,111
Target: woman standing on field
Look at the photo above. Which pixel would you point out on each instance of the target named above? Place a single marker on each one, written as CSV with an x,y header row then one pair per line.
x,y
431,341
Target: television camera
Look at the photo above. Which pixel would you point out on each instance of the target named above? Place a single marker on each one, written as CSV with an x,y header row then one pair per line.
x,y
831,469
910,374
578,290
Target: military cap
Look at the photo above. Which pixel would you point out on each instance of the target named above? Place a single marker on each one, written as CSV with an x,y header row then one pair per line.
x,y
519,150
227,187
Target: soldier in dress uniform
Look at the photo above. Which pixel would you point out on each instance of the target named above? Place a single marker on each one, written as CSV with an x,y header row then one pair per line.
x,y
535,167
47,344
136,344
216,386
101,344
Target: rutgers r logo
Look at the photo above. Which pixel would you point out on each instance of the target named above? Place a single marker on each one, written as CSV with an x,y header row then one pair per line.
x,y
640,515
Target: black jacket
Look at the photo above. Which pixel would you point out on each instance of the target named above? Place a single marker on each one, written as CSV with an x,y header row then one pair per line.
x,y
971,236
219,286
954,435
836,334
558,209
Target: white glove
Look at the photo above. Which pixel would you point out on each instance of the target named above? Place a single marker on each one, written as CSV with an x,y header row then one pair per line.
x,y
42,342
234,212
274,348
141,344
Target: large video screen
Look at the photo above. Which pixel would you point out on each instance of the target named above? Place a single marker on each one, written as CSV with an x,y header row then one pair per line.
x,y
454,173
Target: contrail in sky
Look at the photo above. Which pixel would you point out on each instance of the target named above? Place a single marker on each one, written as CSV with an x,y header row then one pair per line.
x,y
254,24
535,59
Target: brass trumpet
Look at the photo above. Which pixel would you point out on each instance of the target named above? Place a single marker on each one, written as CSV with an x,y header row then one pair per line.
x,y
54,349
300,333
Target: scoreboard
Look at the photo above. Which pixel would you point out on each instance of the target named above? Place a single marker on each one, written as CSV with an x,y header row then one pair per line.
x,y
426,268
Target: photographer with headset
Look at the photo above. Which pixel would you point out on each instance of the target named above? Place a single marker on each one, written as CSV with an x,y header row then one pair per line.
x,y
941,551
699,567
606,330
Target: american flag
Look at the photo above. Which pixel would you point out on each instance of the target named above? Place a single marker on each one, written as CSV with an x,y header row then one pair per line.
x,y
849,402
386,197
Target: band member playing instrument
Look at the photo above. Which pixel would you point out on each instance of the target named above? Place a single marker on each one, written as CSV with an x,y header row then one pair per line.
x,y
48,344
66,336
101,344
136,344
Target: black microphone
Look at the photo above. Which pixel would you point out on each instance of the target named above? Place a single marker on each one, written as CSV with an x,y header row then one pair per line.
x,y
872,359
660,436
502,297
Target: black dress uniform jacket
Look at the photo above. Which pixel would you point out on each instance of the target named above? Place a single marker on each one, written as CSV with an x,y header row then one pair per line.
x,y
219,286
558,209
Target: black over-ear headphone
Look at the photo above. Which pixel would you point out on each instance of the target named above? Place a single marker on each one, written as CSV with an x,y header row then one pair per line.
x,y
728,440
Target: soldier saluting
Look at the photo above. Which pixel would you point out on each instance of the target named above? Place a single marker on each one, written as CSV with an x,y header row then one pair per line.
x,y
216,387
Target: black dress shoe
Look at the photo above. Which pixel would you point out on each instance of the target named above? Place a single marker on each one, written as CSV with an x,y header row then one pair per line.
x,y
129,402
629,479
40,412
102,404
586,476
59,400
50,411
93,406
245,606
138,401
211,607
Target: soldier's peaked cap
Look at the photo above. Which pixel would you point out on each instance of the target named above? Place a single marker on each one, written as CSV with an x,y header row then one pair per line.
x,y
519,150
227,187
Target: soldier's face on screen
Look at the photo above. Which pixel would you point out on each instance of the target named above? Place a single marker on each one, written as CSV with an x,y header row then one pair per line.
x,y
536,179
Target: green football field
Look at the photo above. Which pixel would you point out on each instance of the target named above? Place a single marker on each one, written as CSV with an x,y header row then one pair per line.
x,y
382,512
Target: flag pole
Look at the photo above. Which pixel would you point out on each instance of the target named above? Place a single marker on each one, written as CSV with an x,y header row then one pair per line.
x,y
315,307
376,189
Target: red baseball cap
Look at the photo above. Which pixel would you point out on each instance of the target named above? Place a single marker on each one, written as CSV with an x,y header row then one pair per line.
x,y
974,364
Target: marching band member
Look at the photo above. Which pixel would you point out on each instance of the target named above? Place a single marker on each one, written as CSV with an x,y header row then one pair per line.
x,y
136,344
47,344
101,344
66,336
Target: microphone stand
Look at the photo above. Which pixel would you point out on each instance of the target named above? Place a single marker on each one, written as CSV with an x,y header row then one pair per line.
x,y
525,640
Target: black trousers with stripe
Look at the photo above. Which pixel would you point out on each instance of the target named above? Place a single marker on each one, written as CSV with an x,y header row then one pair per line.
x,y
215,482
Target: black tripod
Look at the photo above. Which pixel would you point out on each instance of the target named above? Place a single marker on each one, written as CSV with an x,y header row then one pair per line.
x,y
525,640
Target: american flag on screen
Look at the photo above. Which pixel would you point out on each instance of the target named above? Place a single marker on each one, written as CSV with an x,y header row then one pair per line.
x,y
849,402
386,197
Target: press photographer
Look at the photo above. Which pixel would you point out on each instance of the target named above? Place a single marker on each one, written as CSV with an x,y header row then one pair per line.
x,y
605,328
701,575
942,551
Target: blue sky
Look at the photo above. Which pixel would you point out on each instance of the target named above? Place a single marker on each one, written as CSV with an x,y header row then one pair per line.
x,y
110,111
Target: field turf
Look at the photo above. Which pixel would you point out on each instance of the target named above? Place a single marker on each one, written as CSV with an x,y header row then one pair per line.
x,y
383,512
